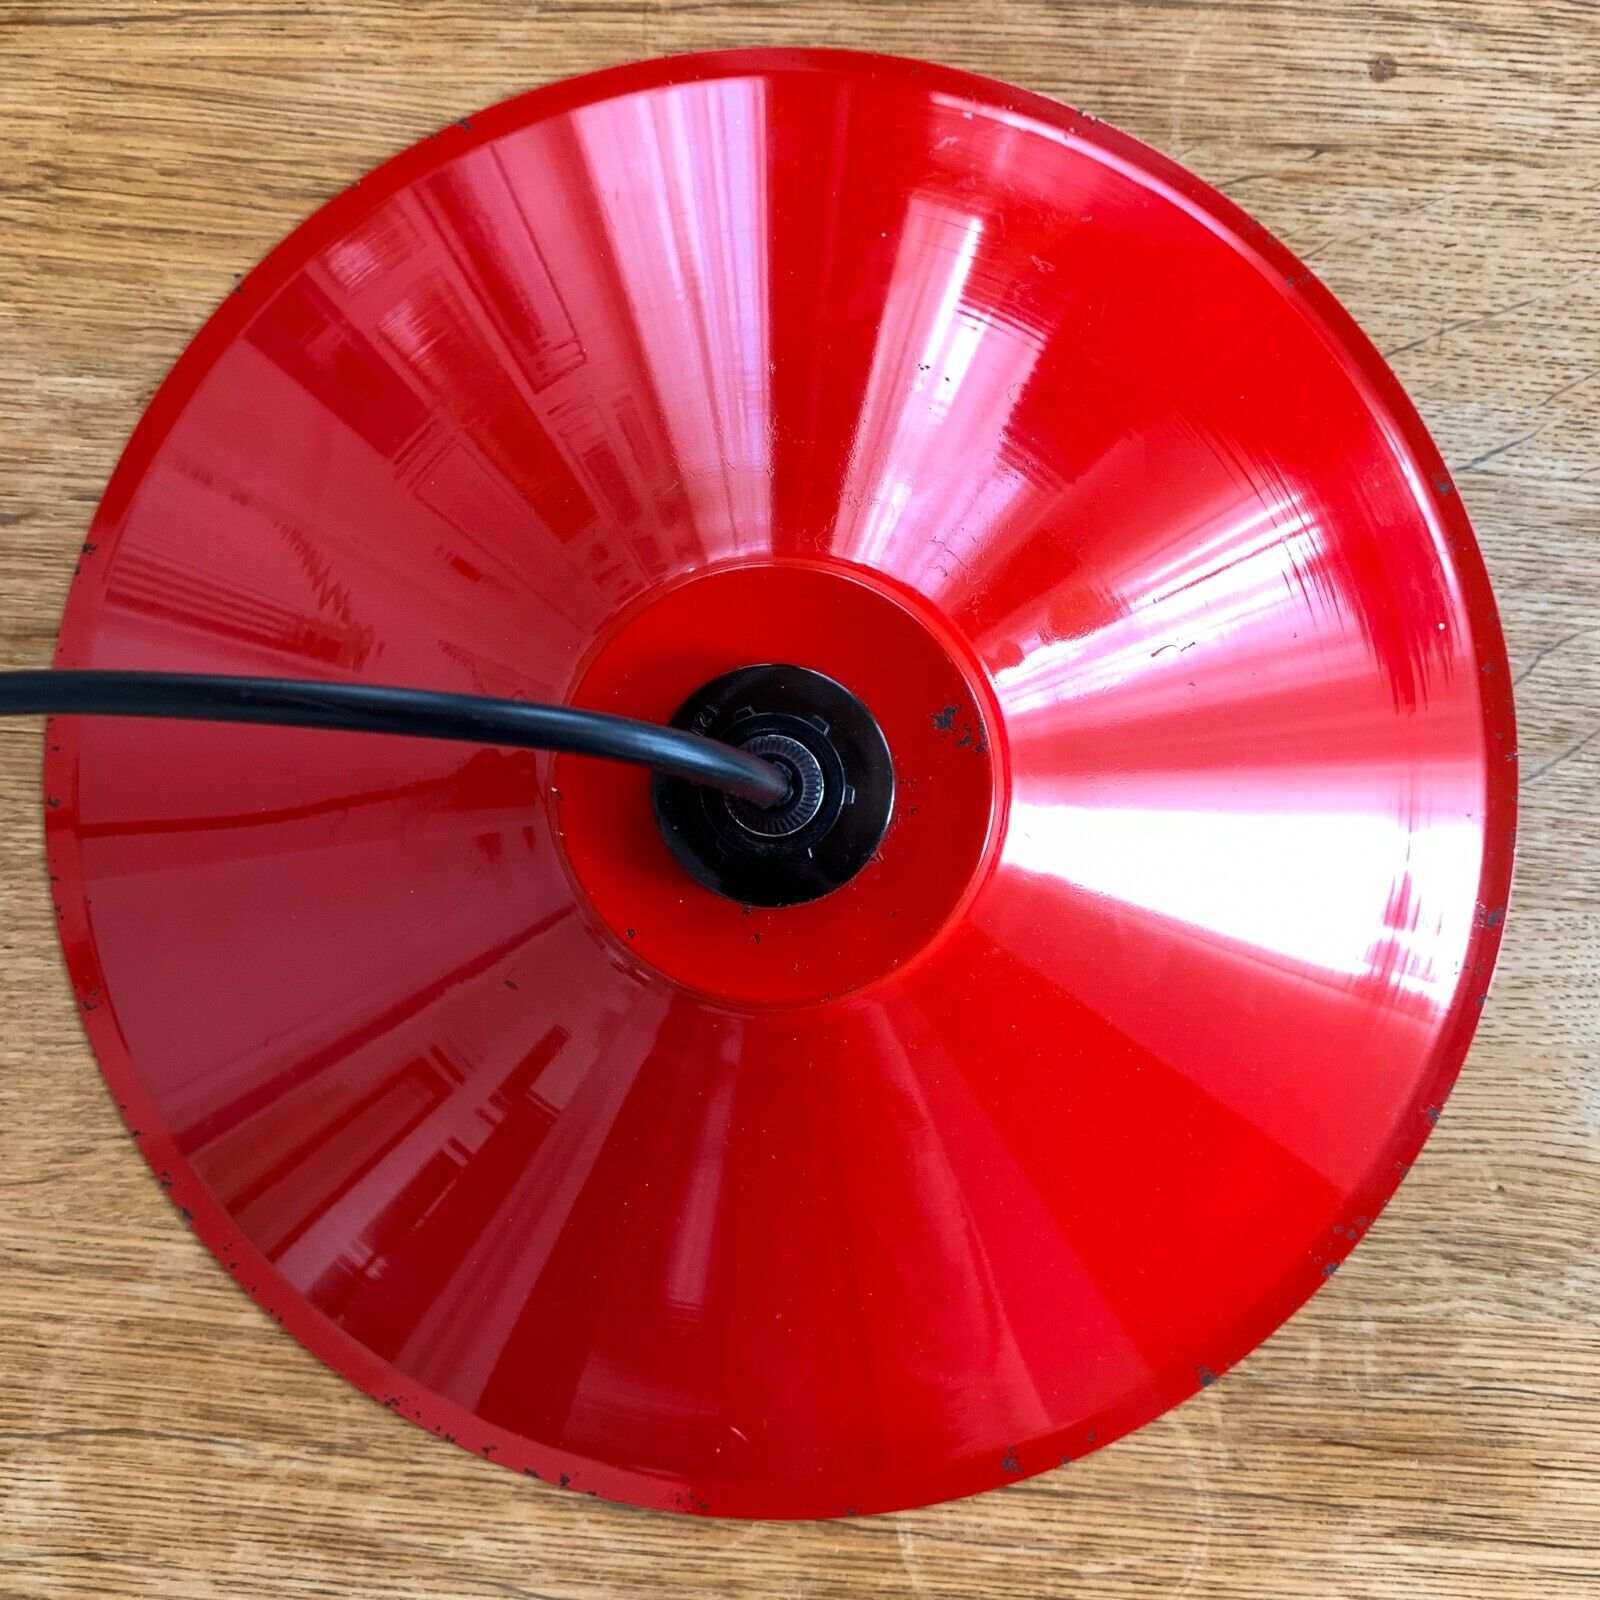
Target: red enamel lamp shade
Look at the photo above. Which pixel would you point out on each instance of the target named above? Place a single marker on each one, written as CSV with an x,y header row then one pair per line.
x,y
1202,743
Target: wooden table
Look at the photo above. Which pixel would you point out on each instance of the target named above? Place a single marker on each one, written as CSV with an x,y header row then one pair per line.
x,y
1430,1425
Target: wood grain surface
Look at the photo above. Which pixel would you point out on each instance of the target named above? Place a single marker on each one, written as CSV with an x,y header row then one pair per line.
x,y
1430,1425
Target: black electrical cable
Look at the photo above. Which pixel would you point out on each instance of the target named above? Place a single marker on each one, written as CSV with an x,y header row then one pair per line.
x,y
370,708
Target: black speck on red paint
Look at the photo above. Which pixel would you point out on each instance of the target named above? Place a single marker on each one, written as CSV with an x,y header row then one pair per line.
x,y
944,720
1431,1113
529,1472
630,933
1009,1462
186,1213
1329,1268
510,984
1206,1376
564,1480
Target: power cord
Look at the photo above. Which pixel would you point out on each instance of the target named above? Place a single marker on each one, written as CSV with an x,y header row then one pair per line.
x,y
420,713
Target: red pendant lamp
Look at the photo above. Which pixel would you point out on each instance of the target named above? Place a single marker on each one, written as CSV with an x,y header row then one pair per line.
x,y
889,422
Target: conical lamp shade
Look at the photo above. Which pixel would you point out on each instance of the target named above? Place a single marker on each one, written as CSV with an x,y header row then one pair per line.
x,y
1202,740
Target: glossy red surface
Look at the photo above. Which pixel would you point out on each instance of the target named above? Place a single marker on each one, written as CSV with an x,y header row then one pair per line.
x,y
1195,688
